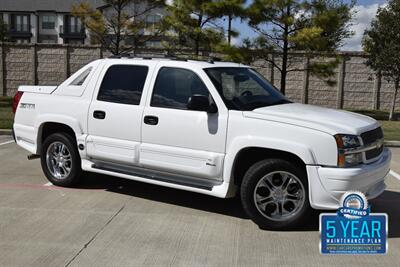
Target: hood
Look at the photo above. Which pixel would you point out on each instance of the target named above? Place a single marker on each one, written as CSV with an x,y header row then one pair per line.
x,y
328,120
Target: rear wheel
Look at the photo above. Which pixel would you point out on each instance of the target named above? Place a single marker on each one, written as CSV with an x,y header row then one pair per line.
x,y
60,160
274,193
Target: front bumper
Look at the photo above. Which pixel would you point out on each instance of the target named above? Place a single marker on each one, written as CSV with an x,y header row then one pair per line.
x,y
327,185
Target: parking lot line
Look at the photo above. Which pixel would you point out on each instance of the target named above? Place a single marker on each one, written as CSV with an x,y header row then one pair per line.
x,y
8,142
395,174
48,184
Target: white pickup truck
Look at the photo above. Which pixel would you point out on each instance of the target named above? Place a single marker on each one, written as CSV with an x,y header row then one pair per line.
x,y
214,128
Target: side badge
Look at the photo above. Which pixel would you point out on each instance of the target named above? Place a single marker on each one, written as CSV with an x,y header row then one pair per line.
x,y
27,106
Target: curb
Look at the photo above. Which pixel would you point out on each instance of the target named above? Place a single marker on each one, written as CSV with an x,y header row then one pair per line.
x,y
392,143
387,143
5,131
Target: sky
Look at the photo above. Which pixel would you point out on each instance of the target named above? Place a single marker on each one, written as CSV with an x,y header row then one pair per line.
x,y
365,11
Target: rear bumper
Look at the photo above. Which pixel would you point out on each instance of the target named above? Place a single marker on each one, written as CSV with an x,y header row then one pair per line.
x,y
25,137
327,185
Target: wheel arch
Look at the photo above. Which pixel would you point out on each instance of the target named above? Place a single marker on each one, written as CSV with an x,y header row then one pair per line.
x,y
46,128
246,157
245,151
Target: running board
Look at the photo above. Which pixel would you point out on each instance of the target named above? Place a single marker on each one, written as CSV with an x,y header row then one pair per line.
x,y
200,183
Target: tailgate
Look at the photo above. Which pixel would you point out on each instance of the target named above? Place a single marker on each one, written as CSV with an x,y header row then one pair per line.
x,y
37,89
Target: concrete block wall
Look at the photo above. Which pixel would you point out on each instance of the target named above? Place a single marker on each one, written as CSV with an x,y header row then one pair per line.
x,y
17,67
357,86
359,83
80,56
41,64
386,96
50,65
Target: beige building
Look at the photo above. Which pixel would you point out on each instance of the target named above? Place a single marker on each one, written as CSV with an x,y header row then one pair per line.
x,y
50,21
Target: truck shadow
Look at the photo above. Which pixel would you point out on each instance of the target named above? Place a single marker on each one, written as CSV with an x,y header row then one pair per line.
x,y
229,207
388,202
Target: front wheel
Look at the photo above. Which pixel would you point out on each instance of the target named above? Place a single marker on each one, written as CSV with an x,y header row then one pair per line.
x,y
274,193
60,160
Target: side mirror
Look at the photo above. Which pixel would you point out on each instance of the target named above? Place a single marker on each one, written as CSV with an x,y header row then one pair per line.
x,y
201,103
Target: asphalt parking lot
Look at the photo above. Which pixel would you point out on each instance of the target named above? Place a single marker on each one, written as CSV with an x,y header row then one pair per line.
x,y
114,222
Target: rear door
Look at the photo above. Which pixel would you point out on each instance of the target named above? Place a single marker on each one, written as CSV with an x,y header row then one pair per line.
x,y
115,114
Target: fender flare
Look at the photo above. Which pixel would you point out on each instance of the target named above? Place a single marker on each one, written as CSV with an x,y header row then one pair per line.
x,y
240,143
61,119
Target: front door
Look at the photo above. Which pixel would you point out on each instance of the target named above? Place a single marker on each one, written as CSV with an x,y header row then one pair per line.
x,y
178,140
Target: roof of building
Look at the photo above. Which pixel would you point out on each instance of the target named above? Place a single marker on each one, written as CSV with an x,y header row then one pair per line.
x,y
44,5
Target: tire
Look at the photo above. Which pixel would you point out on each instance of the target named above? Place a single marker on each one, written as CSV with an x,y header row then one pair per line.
x,y
61,168
292,212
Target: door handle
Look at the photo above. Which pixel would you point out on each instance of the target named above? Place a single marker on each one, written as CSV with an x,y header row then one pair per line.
x,y
99,114
151,120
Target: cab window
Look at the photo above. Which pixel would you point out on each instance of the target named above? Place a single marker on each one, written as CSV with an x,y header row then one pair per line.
x,y
123,84
174,87
81,78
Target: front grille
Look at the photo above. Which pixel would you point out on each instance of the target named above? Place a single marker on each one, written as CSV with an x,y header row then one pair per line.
x,y
369,138
373,153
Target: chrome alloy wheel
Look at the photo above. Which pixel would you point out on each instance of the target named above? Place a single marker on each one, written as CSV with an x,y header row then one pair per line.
x,y
58,159
279,195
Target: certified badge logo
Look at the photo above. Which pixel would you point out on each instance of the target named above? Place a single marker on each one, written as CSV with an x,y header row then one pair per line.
x,y
353,229
355,205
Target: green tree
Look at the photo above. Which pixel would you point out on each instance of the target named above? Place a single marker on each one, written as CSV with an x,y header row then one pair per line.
x,y
192,23
382,43
230,9
119,22
314,27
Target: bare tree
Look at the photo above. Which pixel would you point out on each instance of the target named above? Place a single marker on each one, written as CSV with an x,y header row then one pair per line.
x,y
118,23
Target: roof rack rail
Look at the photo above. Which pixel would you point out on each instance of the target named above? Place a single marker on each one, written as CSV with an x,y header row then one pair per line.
x,y
209,59
148,57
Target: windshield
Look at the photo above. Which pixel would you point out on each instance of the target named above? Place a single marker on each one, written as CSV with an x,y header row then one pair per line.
x,y
244,88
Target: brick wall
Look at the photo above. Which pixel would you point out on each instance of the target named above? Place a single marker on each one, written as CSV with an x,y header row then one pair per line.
x,y
357,86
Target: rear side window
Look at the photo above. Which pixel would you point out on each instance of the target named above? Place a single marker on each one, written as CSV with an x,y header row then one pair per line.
x,y
174,87
81,78
123,84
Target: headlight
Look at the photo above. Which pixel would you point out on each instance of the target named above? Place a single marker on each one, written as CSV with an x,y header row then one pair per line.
x,y
346,145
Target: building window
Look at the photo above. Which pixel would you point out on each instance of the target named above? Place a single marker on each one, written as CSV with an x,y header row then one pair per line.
x,y
153,44
20,23
48,22
74,24
152,21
